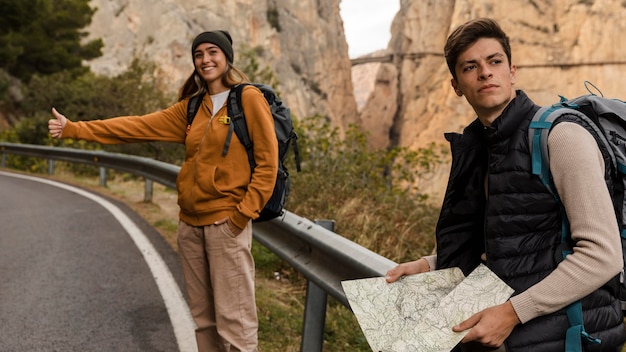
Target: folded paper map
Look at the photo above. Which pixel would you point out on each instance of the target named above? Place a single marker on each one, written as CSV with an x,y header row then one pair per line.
x,y
417,312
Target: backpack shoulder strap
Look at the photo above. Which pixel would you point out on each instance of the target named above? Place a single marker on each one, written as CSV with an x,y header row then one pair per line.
x,y
238,123
192,108
538,130
283,123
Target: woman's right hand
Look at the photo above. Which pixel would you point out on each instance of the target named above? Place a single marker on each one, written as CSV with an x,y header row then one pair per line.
x,y
55,126
408,268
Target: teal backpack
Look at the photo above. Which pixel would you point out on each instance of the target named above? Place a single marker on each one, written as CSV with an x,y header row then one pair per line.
x,y
608,118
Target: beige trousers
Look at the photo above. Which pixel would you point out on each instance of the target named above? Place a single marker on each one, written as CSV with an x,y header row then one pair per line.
x,y
219,277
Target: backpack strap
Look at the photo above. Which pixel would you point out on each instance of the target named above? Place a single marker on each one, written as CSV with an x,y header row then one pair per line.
x,y
294,142
538,130
192,109
576,334
276,103
238,123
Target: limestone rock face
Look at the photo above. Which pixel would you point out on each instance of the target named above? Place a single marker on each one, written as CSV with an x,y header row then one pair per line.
x,y
301,41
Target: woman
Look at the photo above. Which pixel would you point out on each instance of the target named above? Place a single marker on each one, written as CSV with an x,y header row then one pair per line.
x,y
218,195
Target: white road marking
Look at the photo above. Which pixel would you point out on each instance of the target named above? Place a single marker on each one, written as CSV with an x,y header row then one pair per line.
x,y
175,303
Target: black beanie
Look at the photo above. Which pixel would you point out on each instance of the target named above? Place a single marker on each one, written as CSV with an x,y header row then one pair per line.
x,y
220,38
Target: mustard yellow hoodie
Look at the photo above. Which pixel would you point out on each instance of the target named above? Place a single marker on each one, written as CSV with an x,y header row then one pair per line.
x,y
210,186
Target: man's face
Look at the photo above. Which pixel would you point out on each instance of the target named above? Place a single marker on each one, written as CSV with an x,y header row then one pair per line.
x,y
485,78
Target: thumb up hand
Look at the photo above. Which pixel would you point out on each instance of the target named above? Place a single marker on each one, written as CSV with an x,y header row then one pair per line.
x,y
55,126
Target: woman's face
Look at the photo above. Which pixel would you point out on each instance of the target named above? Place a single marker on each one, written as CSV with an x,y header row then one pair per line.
x,y
210,63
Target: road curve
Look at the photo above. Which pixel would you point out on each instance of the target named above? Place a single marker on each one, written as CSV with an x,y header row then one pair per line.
x,y
79,272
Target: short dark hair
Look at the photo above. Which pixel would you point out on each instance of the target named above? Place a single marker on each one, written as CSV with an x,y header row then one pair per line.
x,y
467,34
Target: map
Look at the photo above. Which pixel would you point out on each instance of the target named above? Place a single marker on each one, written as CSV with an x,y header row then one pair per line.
x,y
417,312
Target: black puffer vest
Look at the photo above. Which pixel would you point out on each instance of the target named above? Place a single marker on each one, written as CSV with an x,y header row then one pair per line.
x,y
518,226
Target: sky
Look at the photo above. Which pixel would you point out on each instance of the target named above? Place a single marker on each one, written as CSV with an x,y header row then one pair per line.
x,y
367,24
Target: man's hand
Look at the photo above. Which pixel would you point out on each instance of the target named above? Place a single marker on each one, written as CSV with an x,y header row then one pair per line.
x,y
408,268
491,326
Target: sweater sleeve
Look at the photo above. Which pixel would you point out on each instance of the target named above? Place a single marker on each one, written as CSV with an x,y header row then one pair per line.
x,y
167,125
432,261
260,125
577,168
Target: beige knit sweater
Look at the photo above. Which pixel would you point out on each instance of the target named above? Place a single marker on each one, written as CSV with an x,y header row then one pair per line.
x,y
578,171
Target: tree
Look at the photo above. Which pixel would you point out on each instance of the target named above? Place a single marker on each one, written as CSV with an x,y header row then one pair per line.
x,y
44,37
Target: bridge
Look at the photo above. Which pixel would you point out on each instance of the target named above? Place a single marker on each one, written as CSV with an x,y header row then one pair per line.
x,y
392,57
398,57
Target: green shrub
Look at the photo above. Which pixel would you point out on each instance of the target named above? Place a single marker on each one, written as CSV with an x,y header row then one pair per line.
x,y
46,36
90,97
371,194
249,63
5,84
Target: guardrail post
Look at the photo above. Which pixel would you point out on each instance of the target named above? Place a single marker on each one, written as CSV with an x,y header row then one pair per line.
x,y
50,166
103,176
147,190
4,159
315,309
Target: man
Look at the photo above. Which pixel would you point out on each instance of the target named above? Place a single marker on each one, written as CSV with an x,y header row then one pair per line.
x,y
495,211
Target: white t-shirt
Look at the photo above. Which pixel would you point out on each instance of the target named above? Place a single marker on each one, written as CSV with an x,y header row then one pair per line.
x,y
218,100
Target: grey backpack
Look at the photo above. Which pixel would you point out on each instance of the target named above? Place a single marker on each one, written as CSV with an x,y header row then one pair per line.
x,y
607,117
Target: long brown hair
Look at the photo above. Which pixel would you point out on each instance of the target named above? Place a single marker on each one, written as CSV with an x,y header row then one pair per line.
x,y
196,85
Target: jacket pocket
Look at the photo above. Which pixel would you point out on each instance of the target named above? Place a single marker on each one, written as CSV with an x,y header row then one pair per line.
x,y
206,181
196,186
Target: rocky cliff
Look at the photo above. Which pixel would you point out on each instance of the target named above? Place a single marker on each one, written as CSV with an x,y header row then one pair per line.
x,y
557,44
302,41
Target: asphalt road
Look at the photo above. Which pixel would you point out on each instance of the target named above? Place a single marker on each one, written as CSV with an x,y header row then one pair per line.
x,y
79,272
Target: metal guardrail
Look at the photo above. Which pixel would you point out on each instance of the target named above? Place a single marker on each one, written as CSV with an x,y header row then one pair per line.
x,y
322,256
154,170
